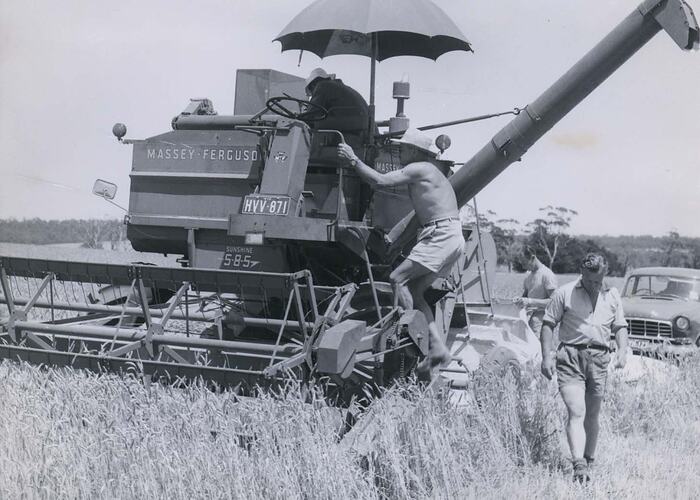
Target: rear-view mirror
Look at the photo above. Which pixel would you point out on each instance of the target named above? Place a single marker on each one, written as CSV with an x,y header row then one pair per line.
x,y
104,189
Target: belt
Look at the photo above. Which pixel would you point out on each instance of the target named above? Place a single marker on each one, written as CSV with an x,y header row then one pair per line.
x,y
581,347
437,221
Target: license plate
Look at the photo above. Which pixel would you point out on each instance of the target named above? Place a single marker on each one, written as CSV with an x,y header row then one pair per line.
x,y
257,204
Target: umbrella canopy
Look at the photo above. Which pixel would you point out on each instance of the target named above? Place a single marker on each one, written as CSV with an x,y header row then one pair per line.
x,y
379,29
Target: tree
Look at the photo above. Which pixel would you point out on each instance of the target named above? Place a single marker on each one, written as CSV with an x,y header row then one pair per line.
x,y
573,253
548,232
675,252
509,247
503,232
694,253
96,231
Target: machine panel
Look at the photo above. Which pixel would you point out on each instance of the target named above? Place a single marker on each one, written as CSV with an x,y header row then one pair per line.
x,y
198,152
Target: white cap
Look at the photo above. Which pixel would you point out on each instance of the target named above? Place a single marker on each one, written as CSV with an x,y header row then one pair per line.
x,y
314,75
418,139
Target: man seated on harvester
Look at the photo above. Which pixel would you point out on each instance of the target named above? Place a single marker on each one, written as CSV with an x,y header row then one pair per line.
x,y
440,239
348,112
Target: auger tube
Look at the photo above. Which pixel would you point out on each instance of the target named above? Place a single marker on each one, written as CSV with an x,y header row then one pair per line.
x,y
511,142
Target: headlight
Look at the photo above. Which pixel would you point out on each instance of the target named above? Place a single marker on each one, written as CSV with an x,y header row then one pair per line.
x,y
682,323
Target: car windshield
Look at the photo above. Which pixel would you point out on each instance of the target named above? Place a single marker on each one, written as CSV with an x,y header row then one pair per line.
x,y
656,285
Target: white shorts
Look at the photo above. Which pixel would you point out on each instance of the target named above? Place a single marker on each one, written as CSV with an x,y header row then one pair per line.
x,y
439,245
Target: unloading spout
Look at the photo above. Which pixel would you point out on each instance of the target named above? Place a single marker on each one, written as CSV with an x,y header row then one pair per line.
x,y
510,143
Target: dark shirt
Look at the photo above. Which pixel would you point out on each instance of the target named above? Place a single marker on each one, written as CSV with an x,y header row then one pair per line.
x,y
347,109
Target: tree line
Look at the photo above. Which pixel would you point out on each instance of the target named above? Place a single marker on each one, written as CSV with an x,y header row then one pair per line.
x,y
91,233
548,235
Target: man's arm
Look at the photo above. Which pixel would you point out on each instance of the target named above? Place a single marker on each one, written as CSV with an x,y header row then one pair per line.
x,y
546,336
621,340
522,300
550,285
619,328
399,177
553,314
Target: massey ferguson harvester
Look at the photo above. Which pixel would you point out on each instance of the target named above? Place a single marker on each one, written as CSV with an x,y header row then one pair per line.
x,y
285,252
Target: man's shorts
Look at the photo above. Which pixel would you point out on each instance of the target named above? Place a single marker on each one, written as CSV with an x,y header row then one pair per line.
x,y
583,365
439,245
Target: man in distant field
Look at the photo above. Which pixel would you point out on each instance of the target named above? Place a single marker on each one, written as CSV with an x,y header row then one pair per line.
x,y
538,287
440,239
587,312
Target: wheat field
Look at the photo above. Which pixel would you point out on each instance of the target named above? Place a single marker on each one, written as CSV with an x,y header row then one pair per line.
x,y
67,434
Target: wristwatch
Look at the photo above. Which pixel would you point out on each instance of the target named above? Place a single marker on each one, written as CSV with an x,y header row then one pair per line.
x,y
353,162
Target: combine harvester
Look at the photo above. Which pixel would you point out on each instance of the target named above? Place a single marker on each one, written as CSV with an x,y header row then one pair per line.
x,y
285,252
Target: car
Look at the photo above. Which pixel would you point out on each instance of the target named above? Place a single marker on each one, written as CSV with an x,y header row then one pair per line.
x,y
662,304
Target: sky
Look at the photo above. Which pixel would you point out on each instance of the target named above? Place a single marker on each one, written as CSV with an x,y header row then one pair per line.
x,y
627,158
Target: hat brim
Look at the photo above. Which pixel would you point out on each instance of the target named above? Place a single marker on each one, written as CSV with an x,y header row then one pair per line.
x,y
401,141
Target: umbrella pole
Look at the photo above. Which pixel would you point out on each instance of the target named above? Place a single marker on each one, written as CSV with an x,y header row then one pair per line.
x,y
372,76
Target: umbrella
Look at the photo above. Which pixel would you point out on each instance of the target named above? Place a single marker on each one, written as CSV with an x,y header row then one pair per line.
x,y
378,29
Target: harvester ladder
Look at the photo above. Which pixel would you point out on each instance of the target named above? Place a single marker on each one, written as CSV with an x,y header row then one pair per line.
x,y
480,261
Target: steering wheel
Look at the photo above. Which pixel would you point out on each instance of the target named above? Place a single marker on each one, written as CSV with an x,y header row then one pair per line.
x,y
311,112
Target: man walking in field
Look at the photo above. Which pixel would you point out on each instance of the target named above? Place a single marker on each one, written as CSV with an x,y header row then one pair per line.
x,y
538,287
587,312
440,240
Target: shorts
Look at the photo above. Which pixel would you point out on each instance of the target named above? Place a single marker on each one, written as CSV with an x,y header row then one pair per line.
x,y
583,365
439,245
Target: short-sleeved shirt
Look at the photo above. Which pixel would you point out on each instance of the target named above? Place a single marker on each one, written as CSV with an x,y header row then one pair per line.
x,y
539,284
579,324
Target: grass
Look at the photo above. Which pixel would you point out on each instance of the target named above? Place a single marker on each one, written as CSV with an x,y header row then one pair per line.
x,y
77,435
509,285
67,434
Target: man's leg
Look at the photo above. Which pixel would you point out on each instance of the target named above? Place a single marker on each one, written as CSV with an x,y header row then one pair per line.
x,y
438,353
590,423
596,380
410,281
402,295
407,271
574,396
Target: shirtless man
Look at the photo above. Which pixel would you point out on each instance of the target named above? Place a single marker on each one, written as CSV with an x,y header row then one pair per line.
x,y
440,240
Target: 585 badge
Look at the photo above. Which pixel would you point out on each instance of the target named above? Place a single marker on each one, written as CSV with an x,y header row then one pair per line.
x,y
240,258
268,258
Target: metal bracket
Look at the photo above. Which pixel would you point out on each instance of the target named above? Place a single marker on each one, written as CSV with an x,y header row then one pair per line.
x,y
20,314
287,364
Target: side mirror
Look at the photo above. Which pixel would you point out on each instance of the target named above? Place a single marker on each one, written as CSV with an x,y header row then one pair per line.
x,y
104,189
